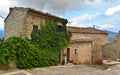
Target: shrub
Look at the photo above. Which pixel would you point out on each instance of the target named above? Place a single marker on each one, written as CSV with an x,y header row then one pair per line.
x,y
43,50
20,50
49,39
50,42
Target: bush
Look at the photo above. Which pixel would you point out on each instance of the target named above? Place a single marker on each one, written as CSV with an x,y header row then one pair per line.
x,y
50,42
20,50
43,50
49,39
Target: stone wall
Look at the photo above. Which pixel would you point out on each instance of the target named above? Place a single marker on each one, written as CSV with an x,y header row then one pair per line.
x,y
33,19
39,20
14,25
98,41
80,53
20,21
112,50
84,53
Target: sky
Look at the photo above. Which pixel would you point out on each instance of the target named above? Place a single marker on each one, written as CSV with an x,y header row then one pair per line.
x,y
103,14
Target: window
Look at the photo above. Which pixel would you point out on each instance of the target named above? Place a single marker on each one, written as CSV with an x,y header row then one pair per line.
x,y
75,51
35,28
59,28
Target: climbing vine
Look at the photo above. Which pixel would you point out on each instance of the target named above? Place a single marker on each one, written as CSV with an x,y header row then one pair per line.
x,y
42,50
49,39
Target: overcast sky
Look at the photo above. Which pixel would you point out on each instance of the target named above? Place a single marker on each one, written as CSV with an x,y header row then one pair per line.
x,y
104,14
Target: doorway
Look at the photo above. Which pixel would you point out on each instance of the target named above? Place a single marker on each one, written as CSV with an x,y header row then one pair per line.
x,y
68,55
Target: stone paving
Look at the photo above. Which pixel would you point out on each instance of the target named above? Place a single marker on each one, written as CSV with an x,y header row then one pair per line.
x,y
67,70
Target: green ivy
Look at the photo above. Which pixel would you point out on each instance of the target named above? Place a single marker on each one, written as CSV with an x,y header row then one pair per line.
x,y
41,51
49,39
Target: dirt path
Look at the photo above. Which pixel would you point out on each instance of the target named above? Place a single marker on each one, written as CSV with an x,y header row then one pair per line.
x,y
68,70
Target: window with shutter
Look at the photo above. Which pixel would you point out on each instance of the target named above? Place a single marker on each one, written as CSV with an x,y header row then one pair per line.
x,y
35,28
59,28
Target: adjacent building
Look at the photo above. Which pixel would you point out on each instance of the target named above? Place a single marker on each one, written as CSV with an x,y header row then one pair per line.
x,y
22,21
86,46
112,50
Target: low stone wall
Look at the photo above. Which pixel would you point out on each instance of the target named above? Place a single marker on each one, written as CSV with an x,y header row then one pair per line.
x,y
111,51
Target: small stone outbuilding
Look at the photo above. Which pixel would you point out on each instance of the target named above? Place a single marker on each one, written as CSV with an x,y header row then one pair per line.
x,y
79,51
86,46
112,50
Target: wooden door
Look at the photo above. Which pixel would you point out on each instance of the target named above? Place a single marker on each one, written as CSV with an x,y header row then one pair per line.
x,y
68,55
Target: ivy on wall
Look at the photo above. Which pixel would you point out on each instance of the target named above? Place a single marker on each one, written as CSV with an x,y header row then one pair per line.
x,y
41,51
49,39
20,50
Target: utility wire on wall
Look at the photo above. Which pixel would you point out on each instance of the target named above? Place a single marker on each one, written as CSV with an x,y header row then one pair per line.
x,y
2,17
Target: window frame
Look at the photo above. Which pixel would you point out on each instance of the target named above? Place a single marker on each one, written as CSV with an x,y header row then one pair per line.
x,y
59,28
35,28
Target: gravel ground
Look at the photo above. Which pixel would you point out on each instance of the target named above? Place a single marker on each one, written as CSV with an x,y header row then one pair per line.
x,y
67,70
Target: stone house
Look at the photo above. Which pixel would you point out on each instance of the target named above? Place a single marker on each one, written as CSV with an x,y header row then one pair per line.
x,y
112,50
86,46
21,21
86,43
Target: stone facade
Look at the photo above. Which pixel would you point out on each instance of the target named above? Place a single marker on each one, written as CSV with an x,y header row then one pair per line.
x,y
89,45
112,50
14,23
99,40
79,52
20,21
86,43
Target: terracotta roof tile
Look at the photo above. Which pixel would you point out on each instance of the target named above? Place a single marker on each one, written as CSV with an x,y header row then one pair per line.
x,y
85,30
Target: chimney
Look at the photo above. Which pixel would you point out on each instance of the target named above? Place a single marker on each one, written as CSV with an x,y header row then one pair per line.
x,y
10,9
93,26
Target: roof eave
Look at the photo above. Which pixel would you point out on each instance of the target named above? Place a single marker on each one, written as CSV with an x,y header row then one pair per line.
x,y
47,14
89,33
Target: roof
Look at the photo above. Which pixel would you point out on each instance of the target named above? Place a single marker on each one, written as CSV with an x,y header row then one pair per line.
x,y
82,38
35,11
85,30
